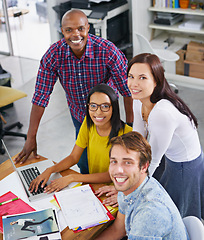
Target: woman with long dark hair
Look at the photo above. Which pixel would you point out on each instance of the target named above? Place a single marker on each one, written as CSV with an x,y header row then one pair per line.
x,y
102,122
171,129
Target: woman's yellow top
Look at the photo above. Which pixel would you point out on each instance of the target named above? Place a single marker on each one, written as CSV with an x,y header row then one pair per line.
x,y
97,149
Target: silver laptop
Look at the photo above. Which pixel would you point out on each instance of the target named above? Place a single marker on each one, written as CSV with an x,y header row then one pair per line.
x,y
29,172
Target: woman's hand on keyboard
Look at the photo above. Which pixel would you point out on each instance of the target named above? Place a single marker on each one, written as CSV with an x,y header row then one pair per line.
x,y
40,181
58,184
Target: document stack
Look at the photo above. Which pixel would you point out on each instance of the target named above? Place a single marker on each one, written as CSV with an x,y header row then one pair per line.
x,y
81,208
167,18
192,24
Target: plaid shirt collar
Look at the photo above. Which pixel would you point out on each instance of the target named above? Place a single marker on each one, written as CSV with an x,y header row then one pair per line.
x,y
89,49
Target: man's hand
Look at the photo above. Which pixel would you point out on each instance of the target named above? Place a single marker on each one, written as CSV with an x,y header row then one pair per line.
x,y
29,147
111,194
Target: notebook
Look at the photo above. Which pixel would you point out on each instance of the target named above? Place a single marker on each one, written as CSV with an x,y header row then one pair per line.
x,y
29,172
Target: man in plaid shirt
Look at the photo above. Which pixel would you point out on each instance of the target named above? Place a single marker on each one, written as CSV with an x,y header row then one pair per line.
x,y
80,61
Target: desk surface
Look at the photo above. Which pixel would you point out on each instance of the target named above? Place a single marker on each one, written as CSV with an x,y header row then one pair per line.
x,y
6,169
15,12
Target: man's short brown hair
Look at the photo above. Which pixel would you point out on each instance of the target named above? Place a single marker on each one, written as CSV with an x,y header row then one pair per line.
x,y
136,142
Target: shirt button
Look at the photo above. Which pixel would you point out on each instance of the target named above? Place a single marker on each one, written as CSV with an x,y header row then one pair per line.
x,y
82,95
80,85
131,201
79,74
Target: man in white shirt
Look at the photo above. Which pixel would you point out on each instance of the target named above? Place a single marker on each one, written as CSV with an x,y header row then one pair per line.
x,y
26,223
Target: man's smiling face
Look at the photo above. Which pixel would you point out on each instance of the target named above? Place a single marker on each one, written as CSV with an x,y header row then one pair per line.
x,y
124,169
75,29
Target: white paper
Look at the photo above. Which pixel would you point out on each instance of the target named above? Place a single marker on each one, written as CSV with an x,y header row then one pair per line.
x,y
81,208
12,183
192,24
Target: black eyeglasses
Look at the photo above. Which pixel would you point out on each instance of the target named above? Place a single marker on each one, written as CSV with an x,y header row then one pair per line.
x,y
105,107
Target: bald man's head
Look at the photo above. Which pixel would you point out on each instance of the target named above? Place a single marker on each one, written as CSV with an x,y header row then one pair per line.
x,y
73,13
75,28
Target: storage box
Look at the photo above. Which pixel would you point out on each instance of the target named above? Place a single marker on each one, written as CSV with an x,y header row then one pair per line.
x,y
194,69
180,62
195,56
195,46
195,52
194,62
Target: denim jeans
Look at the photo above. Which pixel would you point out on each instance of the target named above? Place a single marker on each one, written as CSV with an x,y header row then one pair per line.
x,y
83,161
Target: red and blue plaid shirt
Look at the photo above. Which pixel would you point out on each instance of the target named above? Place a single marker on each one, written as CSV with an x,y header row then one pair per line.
x,y
102,62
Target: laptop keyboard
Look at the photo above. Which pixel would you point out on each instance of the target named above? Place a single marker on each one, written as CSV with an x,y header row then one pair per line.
x,y
29,175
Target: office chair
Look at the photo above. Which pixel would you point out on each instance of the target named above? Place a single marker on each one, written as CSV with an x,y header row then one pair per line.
x,y
163,54
194,228
7,96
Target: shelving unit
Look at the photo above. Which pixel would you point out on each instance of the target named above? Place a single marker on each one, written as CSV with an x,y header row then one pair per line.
x,y
178,10
142,22
175,27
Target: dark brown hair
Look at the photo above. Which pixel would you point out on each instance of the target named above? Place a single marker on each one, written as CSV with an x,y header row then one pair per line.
x,y
162,89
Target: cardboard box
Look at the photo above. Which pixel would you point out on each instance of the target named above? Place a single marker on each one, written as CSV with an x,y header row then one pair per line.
x,y
180,62
194,69
194,56
195,46
195,52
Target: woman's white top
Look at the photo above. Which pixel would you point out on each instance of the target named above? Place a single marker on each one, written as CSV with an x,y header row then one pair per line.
x,y
169,132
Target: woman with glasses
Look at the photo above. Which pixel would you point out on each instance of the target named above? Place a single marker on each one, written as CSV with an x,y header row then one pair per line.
x,y
102,122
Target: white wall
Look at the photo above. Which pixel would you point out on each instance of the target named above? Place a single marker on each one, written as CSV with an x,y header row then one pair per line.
x,y
141,18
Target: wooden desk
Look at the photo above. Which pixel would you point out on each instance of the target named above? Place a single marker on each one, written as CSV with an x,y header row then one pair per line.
x,y
15,12
67,234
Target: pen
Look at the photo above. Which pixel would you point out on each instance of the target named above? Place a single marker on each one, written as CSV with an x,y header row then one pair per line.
x,y
2,203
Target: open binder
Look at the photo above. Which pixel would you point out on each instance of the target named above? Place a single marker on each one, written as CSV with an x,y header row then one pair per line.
x,y
81,208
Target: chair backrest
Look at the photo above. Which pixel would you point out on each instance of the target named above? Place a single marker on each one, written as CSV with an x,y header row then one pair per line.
x,y
163,54
194,227
145,46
